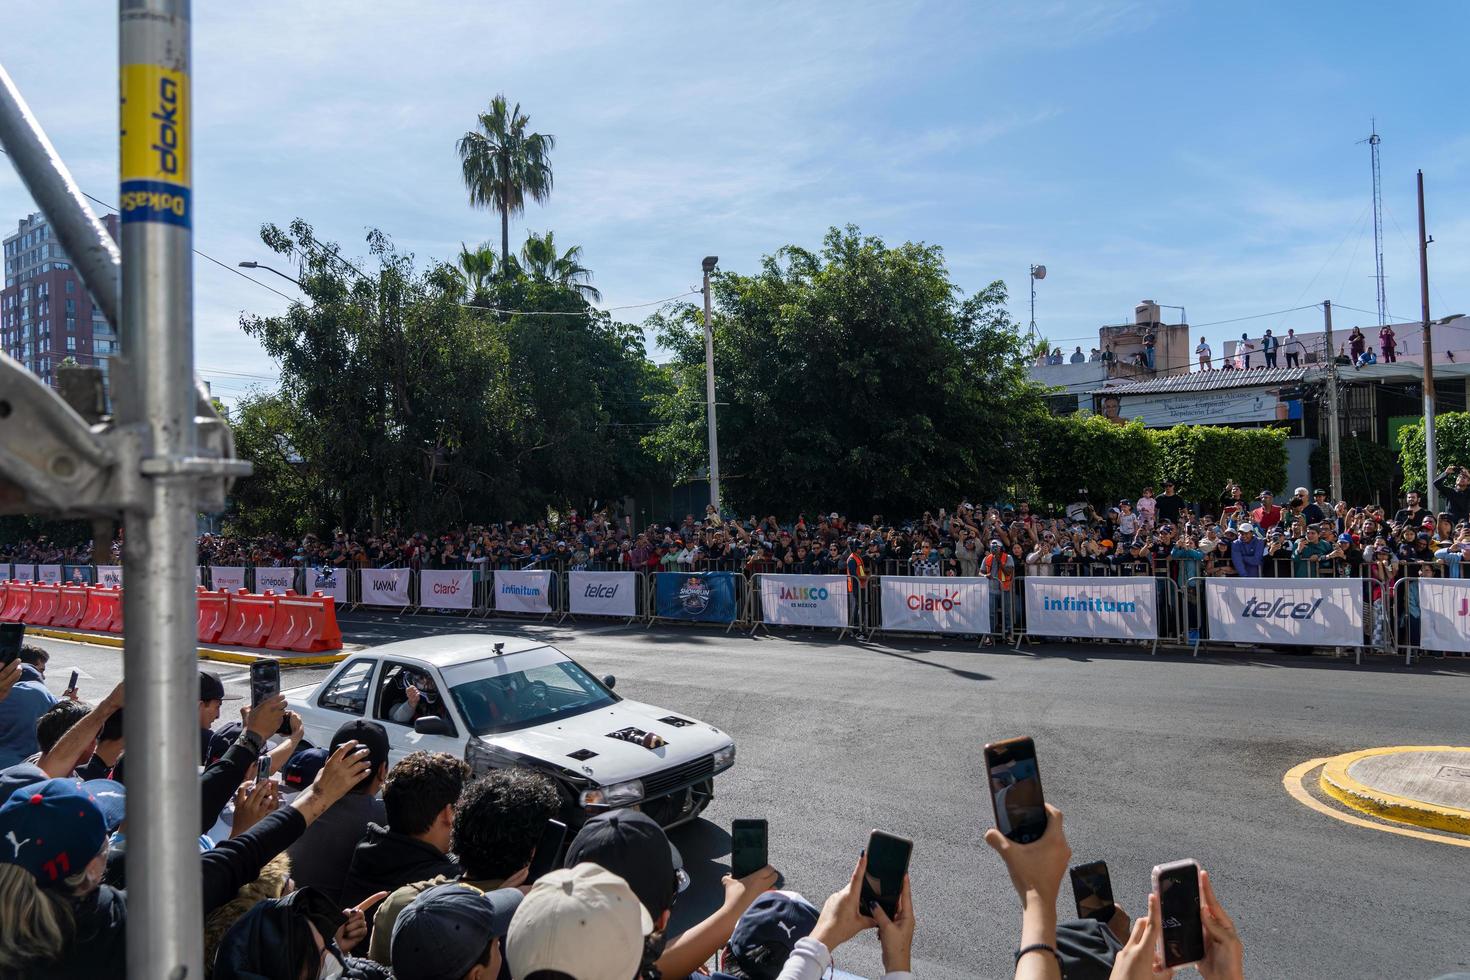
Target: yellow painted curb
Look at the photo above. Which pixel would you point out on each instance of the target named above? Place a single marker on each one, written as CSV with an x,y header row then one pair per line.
x,y
1292,781
1336,783
205,653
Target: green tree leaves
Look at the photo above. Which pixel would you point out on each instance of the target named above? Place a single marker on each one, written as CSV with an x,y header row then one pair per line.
x,y
1451,444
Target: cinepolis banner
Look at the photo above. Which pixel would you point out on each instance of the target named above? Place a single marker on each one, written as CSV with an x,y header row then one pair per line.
x,y
1302,612
528,592
452,589
603,593
1092,607
1444,614
278,580
227,577
804,600
328,581
936,605
385,587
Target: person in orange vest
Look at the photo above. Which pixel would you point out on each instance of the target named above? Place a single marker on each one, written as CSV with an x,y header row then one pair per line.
x,y
1000,568
857,580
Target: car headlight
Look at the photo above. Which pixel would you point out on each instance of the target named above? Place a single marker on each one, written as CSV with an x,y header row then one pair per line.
x,y
724,758
618,794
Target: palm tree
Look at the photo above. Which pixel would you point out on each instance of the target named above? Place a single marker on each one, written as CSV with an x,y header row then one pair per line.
x,y
540,260
503,164
476,269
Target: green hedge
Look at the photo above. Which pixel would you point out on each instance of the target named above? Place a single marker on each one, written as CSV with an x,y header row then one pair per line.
x,y
1451,443
1367,469
1202,457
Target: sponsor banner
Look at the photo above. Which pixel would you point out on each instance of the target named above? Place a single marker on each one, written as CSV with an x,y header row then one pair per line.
x,y
278,580
603,593
111,575
385,587
1305,612
4,571
452,589
77,574
936,605
704,597
1097,607
804,600
528,592
227,577
1444,614
328,580
25,573
49,574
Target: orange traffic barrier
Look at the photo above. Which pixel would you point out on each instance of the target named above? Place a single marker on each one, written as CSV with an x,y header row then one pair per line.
x,y
214,609
72,606
305,624
17,601
44,600
249,620
104,609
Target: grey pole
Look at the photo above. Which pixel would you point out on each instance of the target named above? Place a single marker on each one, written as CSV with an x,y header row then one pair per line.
x,y
709,389
157,348
1431,494
1334,423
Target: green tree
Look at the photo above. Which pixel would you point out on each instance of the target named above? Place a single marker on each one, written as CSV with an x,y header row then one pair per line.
x,y
1200,458
541,261
1368,469
1451,444
856,377
503,164
475,269
1088,452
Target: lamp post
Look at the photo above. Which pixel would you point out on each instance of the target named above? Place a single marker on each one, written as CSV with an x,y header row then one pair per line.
x,y
257,265
710,262
1037,272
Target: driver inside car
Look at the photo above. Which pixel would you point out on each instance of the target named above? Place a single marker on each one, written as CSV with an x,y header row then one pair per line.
x,y
421,699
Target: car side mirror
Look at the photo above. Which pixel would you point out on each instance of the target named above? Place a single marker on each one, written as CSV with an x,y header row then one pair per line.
x,y
431,725
609,681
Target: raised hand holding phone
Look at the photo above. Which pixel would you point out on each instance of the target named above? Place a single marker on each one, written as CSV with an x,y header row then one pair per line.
x,y
887,866
1182,937
1015,789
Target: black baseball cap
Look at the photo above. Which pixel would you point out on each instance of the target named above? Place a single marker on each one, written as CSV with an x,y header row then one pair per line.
x,y
368,733
211,688
766,934
221,740
635,848
444,931
300,770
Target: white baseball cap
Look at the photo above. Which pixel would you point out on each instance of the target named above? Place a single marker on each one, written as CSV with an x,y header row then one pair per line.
x,y
583,921
1247,528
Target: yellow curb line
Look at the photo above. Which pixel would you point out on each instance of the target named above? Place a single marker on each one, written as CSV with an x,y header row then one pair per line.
x,y
1292,781
1336,782
205,653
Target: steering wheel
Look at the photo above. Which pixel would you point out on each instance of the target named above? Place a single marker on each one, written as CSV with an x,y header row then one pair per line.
x,y
534,692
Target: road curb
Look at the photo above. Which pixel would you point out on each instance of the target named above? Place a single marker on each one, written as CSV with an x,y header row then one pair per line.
x,y
1336,783
215,654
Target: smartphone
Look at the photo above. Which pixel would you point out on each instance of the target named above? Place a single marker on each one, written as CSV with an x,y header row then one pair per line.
x,y
76,675
548,849
1183,938
888,862
748,847
265,680
1093,890
11,637
263,767
1015,789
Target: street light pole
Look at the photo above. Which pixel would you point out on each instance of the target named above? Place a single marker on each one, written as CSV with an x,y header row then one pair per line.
x,y
257,265
1334,424
1431,495
709,389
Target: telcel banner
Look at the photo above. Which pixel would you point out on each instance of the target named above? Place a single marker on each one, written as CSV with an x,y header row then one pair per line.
x,y
451,589
603,593
804,600
704,597
385,587
50,574
1100,607
1444,613
328,581
925,604
225,577
1303,612
278,580
528,592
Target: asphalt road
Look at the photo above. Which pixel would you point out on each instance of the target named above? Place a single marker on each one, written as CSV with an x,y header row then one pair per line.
x,y
1151,759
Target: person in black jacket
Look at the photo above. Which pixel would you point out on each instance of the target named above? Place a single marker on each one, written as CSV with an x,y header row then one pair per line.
x,y
290,937
1455,485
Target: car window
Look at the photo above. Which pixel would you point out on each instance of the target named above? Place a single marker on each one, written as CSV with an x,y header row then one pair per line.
x,y
349,691
534,696
393,704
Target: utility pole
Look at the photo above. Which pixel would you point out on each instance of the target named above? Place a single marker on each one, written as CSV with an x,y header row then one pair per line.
x,y
1334,423
1431,494
709,389
1037,272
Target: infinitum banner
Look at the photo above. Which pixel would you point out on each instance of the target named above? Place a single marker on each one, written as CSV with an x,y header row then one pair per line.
x,y
1107,607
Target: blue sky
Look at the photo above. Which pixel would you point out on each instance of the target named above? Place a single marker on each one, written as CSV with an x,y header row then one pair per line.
x,y
1197,154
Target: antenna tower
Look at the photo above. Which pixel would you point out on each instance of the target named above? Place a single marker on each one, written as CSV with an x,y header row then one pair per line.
x,y
1373,140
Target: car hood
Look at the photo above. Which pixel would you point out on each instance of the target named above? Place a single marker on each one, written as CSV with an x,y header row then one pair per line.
x,y
616,760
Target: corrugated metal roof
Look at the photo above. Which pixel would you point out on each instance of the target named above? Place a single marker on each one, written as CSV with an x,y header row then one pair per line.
x,y
1210,381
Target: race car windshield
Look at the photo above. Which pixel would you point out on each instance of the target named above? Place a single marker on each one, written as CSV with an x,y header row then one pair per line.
x,y
534,696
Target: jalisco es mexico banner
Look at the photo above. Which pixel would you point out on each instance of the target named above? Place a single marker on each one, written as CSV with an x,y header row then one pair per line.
x,y
1102,607
926,604
278,580
1444,613
452,589
1303,612
704,597
525,591
385,587
803,600
328,581
227,577
603,593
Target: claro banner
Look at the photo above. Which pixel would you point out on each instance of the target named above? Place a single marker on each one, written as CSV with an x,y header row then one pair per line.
x,y
936,605
1110,608
603,593
385,587
528,592
1303,612
1444,613
804,600
452,589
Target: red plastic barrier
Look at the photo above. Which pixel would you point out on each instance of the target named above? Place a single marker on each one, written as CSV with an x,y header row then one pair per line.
x,y
214,609
44,601
72,607
250,619
305,624
17,601
104,610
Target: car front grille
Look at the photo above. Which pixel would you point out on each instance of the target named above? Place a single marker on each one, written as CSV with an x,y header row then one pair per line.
x,y
659,783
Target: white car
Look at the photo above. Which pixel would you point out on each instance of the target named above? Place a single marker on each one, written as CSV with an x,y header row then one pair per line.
x,y
502,701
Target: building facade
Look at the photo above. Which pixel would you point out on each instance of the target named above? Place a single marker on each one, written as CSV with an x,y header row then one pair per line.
x,y
46,313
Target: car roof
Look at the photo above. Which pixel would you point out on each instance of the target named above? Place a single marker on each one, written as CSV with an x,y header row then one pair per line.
x,y
455,648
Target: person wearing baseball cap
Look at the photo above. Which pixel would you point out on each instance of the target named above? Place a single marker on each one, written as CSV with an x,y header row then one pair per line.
x,y
583,922
765,936
1247,552
212,697
321,856
453,932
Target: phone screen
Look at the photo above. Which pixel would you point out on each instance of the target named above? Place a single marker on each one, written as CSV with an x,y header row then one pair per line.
x,y
1184,936
888,862
263,767
1093,890
1015,789
265,680
11,637
76,675
548,849
748,847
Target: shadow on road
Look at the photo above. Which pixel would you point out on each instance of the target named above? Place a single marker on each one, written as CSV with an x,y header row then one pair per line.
x,y
705,847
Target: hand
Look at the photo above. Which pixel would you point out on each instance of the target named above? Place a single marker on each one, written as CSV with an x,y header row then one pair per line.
x,y
841,918
741,892
354,929
1224,953
9,674
896,935
1137,960
252,804
264,719
296,730
71,694
1037,868
344,769
114,699
413,696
